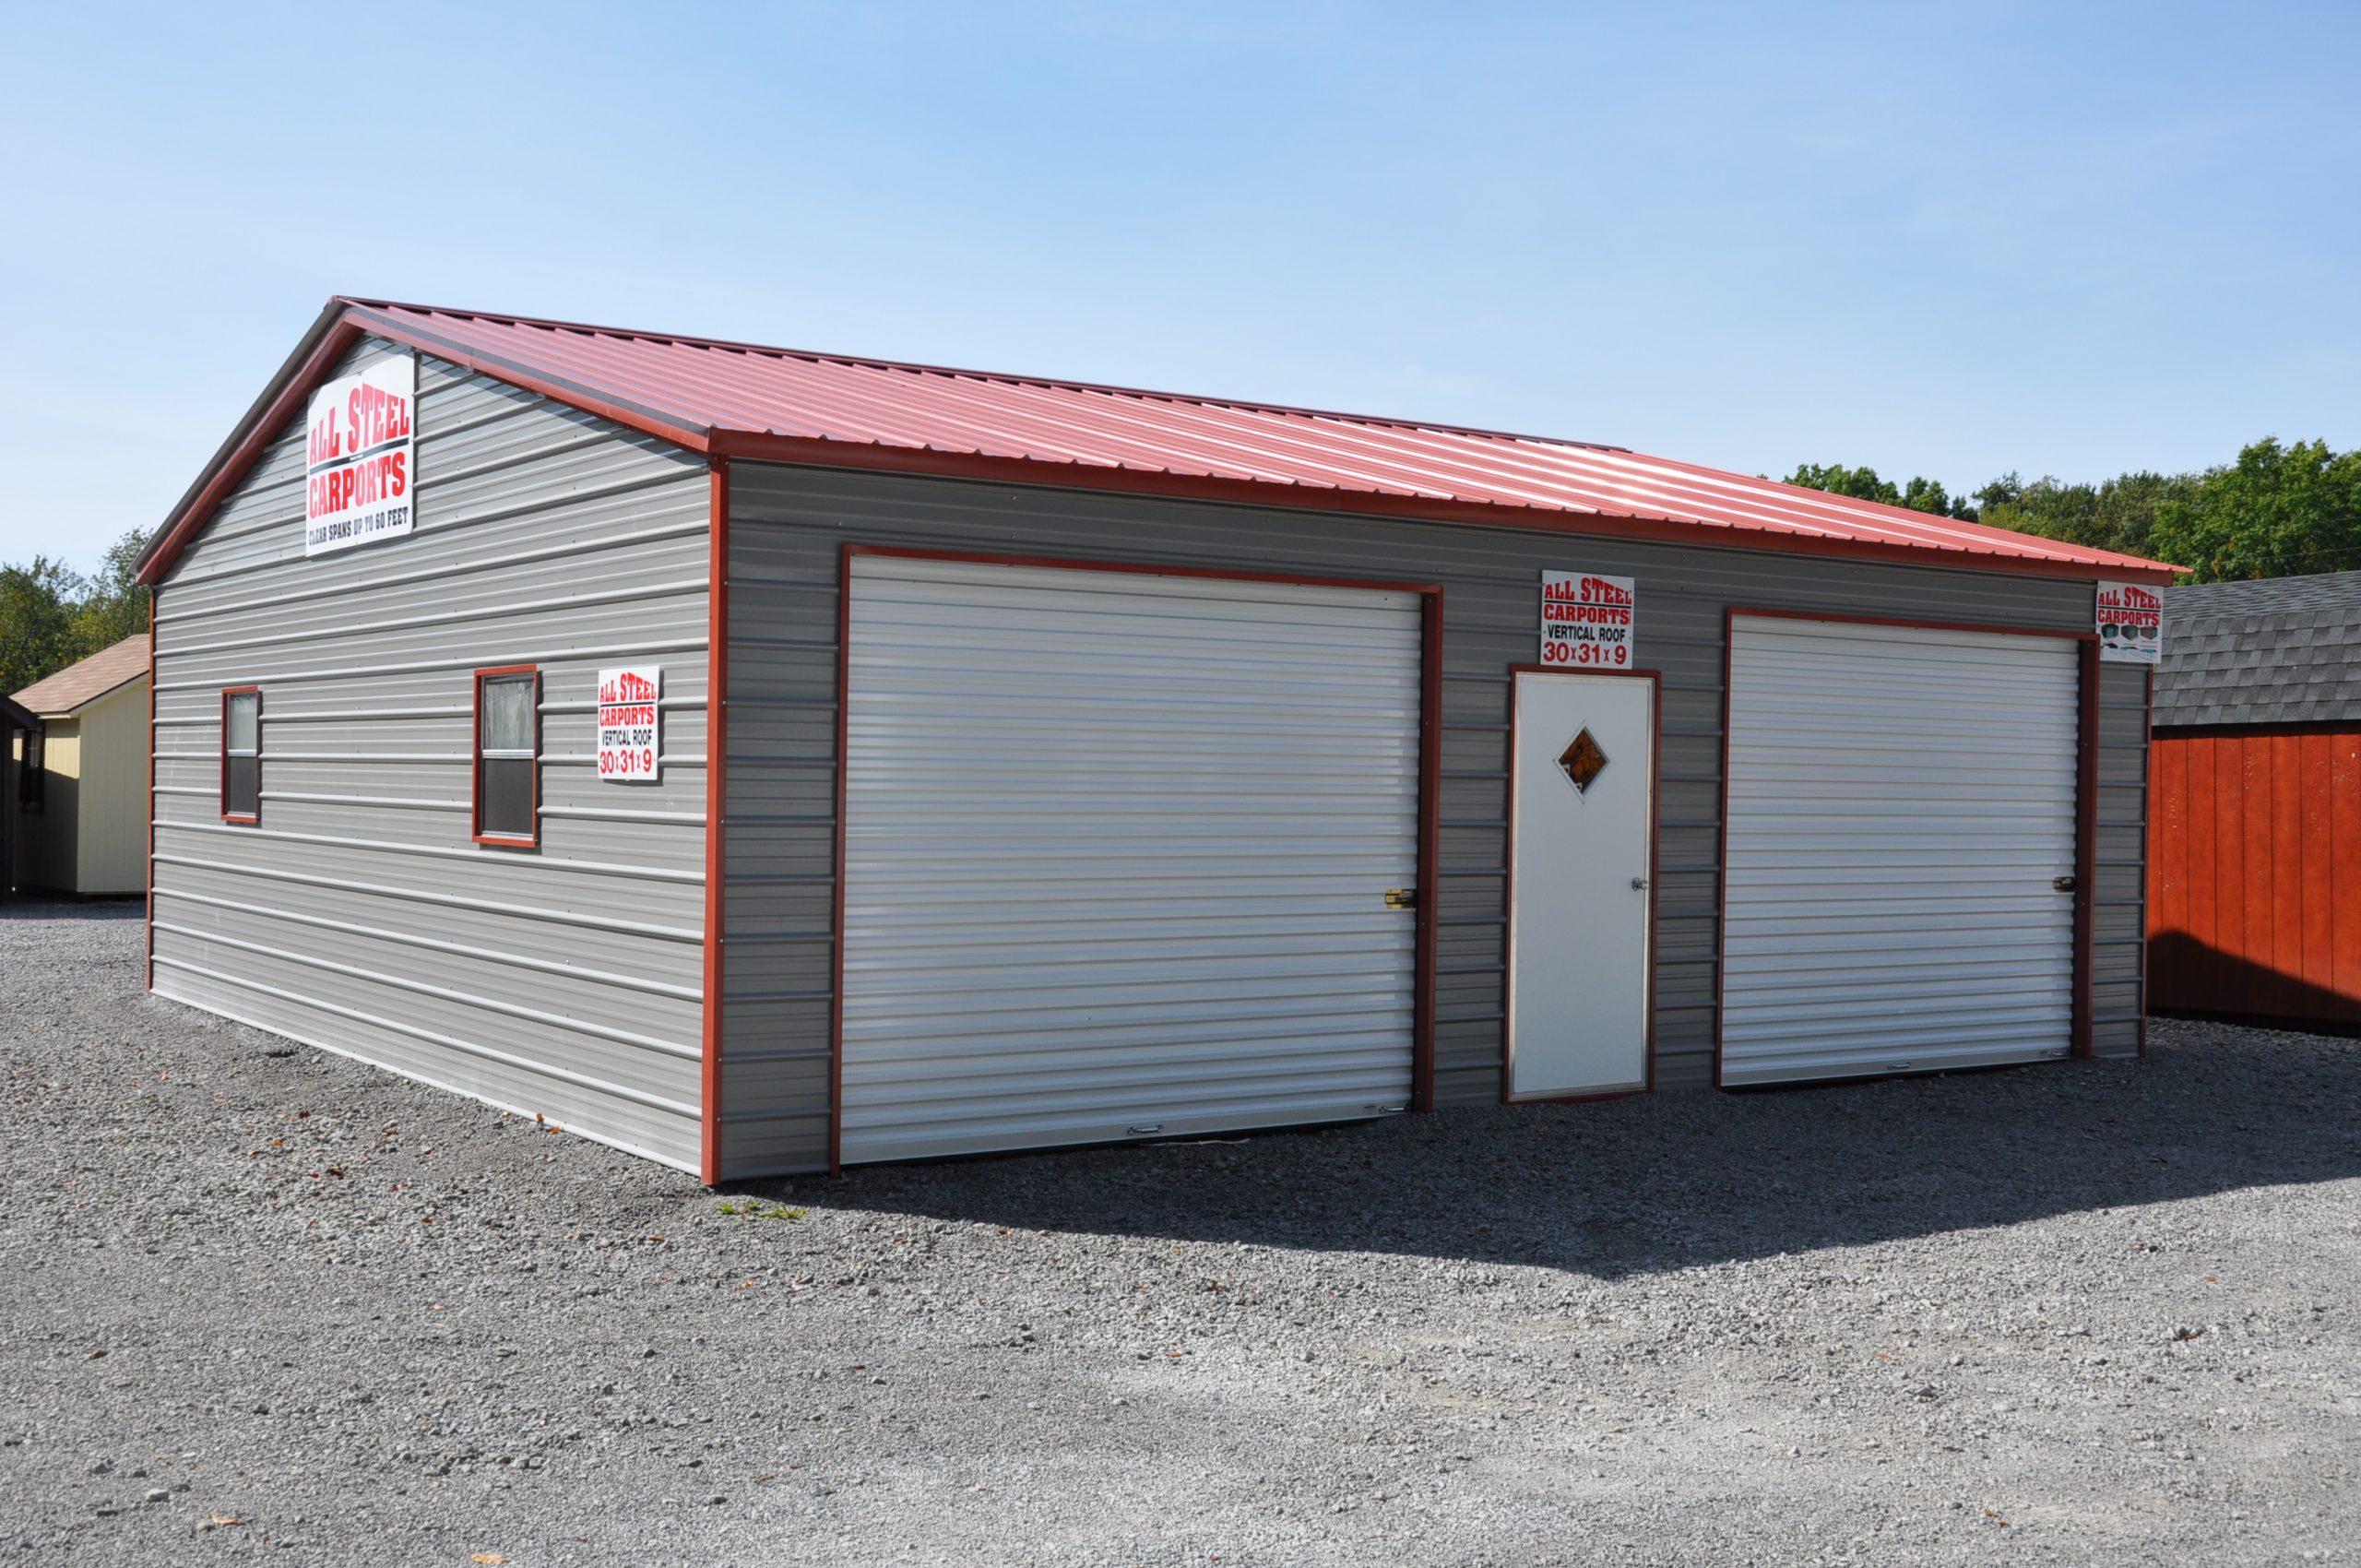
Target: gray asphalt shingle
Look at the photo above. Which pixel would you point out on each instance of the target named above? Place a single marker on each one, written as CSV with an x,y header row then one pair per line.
x,y
2283,650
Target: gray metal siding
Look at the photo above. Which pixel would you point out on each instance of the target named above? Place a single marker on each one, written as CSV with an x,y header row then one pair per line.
x,y
358,916
788,524
2119,900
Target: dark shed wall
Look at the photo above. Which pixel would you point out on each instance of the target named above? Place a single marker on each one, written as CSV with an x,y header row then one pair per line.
x,y
787,526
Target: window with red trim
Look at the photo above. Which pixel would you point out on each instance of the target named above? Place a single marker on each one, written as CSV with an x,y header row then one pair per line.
x,y
509,756
242,754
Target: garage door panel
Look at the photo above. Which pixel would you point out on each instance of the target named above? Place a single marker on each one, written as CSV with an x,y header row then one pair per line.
x,y
1899,803
1117,846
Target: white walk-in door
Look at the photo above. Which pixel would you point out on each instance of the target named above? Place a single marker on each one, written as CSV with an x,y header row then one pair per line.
x,y
1582,788
1901,850
1117,853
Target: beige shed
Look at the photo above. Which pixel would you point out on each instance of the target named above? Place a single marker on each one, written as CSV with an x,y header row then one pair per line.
x,y
79,806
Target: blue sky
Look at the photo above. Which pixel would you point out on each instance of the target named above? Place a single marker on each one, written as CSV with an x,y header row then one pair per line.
x,y
1943,239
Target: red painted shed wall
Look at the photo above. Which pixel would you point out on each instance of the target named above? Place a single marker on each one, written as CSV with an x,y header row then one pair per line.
x,y
2254,903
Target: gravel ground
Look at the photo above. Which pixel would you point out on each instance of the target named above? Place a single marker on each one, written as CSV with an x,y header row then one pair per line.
x,y
258,1298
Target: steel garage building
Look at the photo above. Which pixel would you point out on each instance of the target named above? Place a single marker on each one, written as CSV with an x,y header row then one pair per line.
x,y
1089,764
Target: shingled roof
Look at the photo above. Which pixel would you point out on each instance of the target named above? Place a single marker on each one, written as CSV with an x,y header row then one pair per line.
x,y
2284,650
90,679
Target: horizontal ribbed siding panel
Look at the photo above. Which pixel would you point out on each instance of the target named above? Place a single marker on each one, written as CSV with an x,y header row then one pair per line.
x,y
1900,803
358,916
1117,853
788,523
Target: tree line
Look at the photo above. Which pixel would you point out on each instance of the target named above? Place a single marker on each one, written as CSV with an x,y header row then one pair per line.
x,y
2279,511
51,615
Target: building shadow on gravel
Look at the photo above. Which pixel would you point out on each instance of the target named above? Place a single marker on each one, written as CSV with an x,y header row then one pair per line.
x,y
1684,1178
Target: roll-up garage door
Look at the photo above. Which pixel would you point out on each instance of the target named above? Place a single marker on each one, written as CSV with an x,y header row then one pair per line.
x,y
1901,812
1117,853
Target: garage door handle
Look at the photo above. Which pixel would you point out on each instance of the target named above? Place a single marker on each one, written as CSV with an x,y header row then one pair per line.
x,y
1639,885
2063,883
1401,897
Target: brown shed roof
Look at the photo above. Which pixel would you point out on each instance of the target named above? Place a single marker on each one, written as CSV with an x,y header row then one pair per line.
x,y
91,679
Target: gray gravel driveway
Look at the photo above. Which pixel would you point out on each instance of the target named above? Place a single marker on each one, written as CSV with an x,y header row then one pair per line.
x,y
262,1303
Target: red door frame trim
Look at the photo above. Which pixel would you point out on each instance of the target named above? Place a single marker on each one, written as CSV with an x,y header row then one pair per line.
x,y
2085,799
1508,966
1422,1042
475,762
717,860
241,819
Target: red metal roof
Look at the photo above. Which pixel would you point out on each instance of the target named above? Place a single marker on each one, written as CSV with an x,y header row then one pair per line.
x,y
743,400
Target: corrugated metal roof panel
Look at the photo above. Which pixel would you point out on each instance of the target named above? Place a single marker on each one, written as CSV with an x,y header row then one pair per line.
x,y
734,397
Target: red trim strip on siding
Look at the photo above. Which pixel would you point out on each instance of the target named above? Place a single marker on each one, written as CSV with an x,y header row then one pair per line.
x,y
717,860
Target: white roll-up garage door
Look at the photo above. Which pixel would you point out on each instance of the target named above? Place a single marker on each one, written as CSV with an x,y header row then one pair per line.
x,y
1901,808
1117,853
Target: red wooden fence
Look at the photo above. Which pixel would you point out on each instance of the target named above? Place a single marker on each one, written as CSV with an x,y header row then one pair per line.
x,y
2254,878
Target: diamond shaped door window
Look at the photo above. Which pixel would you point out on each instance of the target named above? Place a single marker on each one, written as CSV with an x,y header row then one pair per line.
x,y
1583,761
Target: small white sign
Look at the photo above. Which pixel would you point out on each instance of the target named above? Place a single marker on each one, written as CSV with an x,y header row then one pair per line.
x,y
1587,621
628,748
2130,623
358,469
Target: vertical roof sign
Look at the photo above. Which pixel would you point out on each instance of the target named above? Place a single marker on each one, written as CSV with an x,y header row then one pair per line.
x,y
358,468
2131,622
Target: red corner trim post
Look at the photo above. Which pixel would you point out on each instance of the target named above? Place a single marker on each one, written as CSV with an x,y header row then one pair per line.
x,y
716,862
475,777
1422,1046
1508,887
2086,855
242,819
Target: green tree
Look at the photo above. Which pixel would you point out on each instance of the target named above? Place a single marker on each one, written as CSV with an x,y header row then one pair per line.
x,y
115,604
1863,485
37,606
2278,511
51,615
